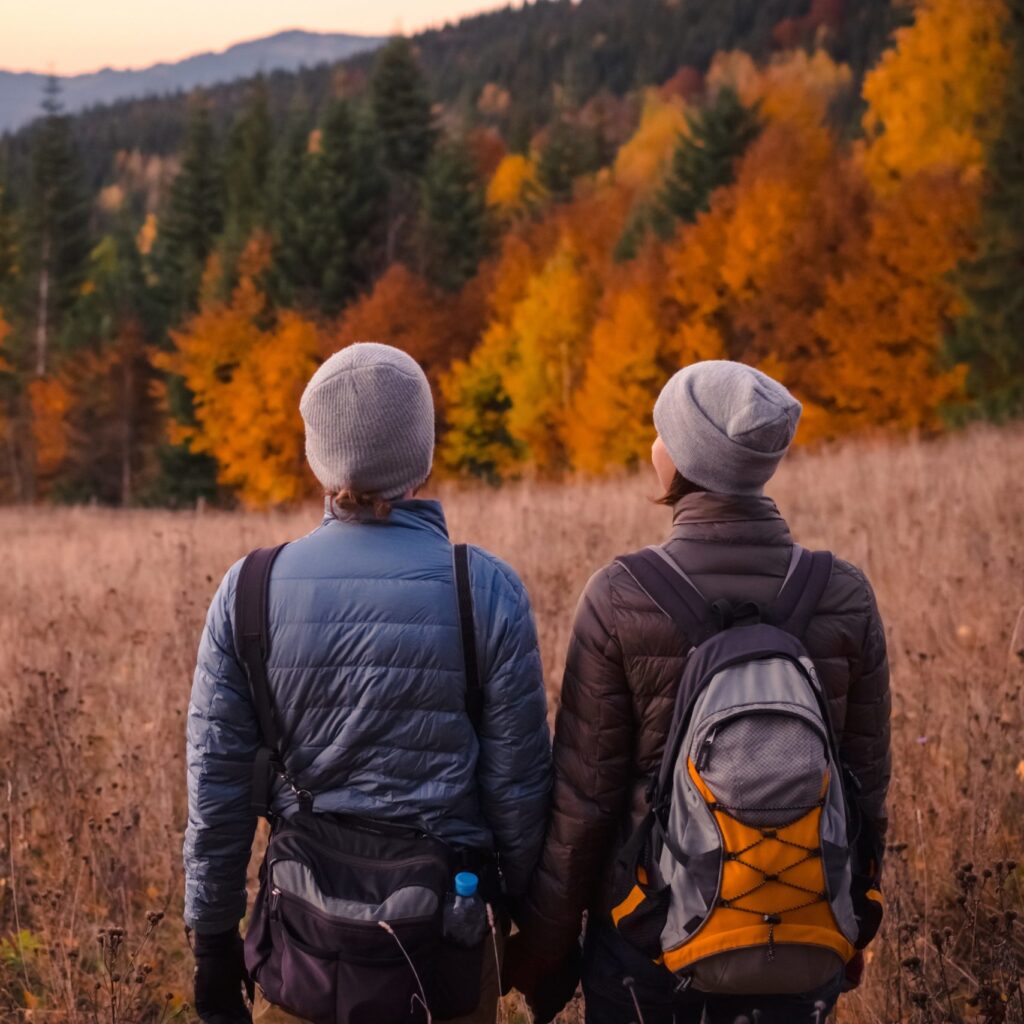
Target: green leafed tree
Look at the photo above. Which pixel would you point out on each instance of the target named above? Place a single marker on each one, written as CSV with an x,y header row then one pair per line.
x,y
989,337
194,217
454,224
57,228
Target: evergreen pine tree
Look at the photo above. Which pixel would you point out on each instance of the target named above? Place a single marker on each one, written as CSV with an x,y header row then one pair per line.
x,y
8,241
402,110
569,152
455,232
247,169
989,337
705,158
194,217
57,222
404,124
291,200
330,216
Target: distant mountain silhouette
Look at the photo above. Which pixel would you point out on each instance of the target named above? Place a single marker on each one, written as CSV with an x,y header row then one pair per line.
x,y
22,92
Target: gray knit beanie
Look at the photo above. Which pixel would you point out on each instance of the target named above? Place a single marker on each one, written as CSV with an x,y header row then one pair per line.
x,y
726,425
369,419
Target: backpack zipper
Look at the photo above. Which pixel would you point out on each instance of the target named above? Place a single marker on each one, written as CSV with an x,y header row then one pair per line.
x,y
705,750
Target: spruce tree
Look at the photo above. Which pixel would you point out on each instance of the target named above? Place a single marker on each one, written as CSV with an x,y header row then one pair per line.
x,y
454,230
195,213
330,219
569,152
291,200
247,168
705,158
57,222
989,337
402,110
404,125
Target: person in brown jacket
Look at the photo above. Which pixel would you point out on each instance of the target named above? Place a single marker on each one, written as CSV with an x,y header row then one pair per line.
x,y
722,430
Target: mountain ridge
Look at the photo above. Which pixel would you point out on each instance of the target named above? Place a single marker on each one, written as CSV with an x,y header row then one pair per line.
x,y
21,92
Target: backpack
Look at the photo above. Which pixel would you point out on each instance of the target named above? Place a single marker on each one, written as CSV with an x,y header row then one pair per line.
x,y
753,871
347,923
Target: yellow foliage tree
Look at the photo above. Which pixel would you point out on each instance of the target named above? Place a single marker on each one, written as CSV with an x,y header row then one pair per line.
x,y
611,425
547,340
514,187
640,162
884,317
246,370
933,99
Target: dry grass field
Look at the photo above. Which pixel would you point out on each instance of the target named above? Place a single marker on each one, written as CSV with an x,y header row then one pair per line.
x,y
100,612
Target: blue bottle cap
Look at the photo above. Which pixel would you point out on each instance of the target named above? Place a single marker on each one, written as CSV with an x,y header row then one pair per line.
x,y
466,883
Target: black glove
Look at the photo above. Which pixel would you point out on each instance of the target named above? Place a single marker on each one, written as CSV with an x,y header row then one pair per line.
x,y
546,986
221,978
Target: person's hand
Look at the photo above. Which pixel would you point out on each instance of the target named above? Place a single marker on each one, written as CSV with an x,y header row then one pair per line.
x,y
221,978
546,985
854,972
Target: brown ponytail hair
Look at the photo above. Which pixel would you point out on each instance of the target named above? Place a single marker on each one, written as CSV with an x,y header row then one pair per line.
x,y
354,505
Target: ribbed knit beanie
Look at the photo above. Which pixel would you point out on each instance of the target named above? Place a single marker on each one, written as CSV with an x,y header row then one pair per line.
x,y
726,425
369,418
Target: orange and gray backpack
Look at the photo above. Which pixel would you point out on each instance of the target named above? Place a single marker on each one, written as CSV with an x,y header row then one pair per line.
x,y
754,871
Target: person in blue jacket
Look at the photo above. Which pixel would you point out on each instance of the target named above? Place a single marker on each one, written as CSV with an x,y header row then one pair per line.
x,y
365,667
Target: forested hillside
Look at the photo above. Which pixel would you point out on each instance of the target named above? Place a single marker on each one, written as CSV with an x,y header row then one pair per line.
x,y
515,69
552,208
20,92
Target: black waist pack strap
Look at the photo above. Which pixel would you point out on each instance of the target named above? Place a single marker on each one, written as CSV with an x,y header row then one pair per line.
x,y
252,632
467,629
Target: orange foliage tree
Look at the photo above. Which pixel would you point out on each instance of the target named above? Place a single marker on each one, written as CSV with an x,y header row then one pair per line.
x,y
246,367
933,99
884,316
406,311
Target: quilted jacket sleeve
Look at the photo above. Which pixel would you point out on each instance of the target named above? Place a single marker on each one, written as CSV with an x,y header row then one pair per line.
x,y
866,741
514,771
222,739
592,752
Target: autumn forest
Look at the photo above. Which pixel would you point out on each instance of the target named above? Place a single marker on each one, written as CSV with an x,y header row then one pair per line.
x,y
849,219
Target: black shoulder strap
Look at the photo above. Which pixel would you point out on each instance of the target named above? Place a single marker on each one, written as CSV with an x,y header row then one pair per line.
x,y
252,641
671,590
467,629
801,591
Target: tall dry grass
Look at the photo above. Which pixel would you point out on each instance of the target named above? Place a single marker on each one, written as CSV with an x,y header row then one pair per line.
x,y
100,612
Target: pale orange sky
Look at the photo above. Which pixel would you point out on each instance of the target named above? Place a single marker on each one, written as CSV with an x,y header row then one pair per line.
x,y
66,37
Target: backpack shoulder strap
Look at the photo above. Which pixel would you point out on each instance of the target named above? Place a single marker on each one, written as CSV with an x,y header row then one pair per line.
x,y
805,583
252,642
467,631
671,590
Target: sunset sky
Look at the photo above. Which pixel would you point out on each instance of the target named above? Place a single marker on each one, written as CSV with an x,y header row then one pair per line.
x,y
67,37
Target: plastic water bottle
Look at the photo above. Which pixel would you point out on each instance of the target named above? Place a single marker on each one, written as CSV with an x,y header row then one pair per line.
x,y
465,916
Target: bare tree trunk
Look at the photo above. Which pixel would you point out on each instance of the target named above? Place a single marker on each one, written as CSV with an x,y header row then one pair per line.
x,y
43,310
128,415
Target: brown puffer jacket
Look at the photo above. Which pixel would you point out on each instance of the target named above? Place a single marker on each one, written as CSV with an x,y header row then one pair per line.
x,y
624,663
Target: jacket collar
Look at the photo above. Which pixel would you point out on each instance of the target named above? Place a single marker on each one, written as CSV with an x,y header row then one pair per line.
x,y
414,514
729,517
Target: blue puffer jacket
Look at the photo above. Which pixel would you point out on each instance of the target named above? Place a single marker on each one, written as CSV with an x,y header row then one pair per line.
x,y
366,670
